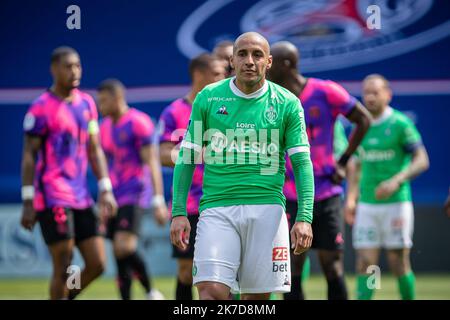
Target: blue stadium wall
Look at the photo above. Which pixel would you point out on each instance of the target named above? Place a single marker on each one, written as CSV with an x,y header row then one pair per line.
x,y
147,45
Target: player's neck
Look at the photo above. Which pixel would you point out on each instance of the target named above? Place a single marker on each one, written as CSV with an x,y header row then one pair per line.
x,y
378,115
61,92
298,83
190,97
123,109
249,88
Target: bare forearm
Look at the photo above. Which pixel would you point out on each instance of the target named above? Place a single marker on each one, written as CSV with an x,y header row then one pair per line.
x,y
31,147
28,168
98,163
419,164
361,118
168,154
156,175
353,175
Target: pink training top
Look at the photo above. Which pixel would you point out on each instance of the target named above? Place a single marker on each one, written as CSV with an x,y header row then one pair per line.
x,y
174,121
322,101
122,143
60,177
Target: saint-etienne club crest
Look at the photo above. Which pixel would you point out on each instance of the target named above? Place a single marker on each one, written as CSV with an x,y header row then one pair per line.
x,y
271,115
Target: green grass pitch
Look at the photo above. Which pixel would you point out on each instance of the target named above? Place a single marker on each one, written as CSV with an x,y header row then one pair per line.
x,y
429,287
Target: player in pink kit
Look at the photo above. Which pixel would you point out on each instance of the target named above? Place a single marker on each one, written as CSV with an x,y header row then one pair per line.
x,y
126,136
323,101
61,136
204,69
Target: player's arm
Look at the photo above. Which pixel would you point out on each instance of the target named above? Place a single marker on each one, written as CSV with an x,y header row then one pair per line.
x,y
169,138
168,153
97,160
31,147
419,163
149,155
353,176
361,118
343,103
297,147
411,143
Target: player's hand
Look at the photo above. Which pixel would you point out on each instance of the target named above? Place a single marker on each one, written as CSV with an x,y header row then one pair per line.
x,y
180,230
107,206
339,174
350,212
29,217
386,188
301,237
161,214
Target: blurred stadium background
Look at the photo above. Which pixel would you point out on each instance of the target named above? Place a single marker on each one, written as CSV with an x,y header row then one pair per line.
x,y
147,45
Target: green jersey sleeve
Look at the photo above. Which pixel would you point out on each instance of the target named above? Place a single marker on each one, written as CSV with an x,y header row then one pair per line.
x,y
340,141
410,137
295,134
297,147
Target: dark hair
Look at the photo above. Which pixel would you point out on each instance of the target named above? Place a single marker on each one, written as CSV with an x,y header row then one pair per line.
x,y
60,52
223,44
113,86
201,62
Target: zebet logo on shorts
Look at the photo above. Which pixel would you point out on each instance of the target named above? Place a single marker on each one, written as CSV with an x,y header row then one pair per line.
x,y
280,259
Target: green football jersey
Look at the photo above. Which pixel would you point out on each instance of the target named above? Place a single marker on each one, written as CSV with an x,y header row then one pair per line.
x,y
340,141
385,151
244,139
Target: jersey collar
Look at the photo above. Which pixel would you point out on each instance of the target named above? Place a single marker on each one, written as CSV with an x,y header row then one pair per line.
x,y
386,114
258,93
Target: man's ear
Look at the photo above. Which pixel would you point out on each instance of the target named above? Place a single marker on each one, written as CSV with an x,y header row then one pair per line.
x,y
389,95
269,62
